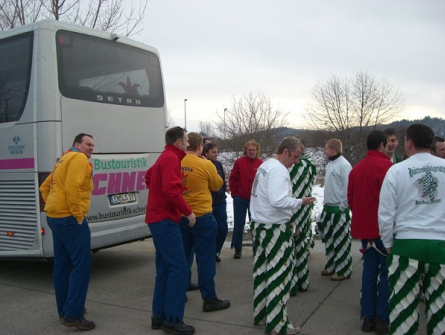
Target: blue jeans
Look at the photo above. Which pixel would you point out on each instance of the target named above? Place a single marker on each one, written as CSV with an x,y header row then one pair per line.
x,y
240,209
72,264
202,239
375,286
220,214
171,272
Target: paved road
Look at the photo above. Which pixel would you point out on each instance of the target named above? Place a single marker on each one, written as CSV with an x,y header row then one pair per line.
x,y
121,288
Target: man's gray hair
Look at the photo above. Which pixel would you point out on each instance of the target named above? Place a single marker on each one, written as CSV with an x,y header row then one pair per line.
x,y
291,143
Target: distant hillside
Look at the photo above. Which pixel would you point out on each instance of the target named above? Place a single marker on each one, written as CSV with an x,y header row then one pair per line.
x,y
435,123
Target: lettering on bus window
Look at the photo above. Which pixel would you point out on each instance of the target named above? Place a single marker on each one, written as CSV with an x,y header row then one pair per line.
x,y
101,70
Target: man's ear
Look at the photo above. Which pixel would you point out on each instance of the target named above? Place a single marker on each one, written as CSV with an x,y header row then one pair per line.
x,y
381,146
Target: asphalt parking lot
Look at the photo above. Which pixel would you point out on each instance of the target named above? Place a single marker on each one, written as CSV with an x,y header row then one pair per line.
x,y
121,287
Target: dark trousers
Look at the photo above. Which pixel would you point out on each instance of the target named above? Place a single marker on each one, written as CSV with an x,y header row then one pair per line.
x,y
202,239
375,287
220,214
171,272
240,209
72,264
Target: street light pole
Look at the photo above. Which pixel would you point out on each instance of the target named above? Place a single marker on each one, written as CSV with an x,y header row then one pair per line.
x,y
185,113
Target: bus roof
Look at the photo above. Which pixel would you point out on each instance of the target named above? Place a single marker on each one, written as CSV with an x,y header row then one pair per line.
x,y
55,25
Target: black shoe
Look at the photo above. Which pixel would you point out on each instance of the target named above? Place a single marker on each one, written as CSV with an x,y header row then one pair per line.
x,y
380,328
156,323
83,325
193,287
218,260
215,304
368,325
179,328
237,254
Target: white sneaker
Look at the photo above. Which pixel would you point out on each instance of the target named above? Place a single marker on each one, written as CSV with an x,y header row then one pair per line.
x,y
291,330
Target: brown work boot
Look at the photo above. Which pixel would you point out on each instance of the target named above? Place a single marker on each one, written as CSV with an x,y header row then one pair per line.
x,y
336,277
83,325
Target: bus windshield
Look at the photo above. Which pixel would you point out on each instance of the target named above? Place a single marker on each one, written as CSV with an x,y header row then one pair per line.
x,y
106,71
15,69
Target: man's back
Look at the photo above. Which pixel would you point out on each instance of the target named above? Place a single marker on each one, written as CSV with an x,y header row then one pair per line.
x,y
199,177
163,180
415,190
365,181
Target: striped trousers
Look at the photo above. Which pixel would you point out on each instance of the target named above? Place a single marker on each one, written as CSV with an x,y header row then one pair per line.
x,y
300,279
334,228
272,275
407,278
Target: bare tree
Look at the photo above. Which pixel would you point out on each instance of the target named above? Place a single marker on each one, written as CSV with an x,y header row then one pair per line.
x,y
108,15
251,116
206,129
349,108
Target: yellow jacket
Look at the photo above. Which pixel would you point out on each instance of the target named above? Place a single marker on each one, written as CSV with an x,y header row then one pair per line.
x,y
199,177
67,190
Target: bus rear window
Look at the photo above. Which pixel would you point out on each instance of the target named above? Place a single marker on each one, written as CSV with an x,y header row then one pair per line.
x,y
15,69
106,71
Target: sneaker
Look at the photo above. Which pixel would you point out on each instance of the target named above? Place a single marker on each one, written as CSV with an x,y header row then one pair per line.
x,y
325,272
291,330
218,260
237,254
179,328
215,304
83,325
156,323
336,277
368,325
380,328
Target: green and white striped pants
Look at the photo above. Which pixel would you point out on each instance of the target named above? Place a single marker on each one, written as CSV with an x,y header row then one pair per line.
x,y
272,275
300,279
335,232
407,278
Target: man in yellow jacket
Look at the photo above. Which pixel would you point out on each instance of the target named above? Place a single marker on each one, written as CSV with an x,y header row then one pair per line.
x,y
67,193
199,177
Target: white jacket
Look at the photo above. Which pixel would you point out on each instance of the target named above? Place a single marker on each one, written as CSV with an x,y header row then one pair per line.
x,y
412,200
271,199
336,183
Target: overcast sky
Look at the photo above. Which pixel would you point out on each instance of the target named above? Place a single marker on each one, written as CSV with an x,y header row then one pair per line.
x,y
213,50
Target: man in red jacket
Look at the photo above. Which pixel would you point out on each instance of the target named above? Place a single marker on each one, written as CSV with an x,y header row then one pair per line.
x,y
240,184
164,208
365,181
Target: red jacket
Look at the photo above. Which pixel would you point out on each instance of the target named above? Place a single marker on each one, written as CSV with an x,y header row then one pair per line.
x,y
164,183
242,176
365,181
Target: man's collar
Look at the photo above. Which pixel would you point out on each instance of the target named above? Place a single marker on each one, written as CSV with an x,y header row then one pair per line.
x,y
333,158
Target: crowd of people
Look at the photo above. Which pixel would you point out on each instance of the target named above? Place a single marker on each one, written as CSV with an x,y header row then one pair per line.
x,y
393,205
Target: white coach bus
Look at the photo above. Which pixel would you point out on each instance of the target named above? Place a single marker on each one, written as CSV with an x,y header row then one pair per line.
x,y
58,80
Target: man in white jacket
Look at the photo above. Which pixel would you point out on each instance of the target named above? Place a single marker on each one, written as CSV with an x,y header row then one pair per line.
x,y
412,228
271,205
334,222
